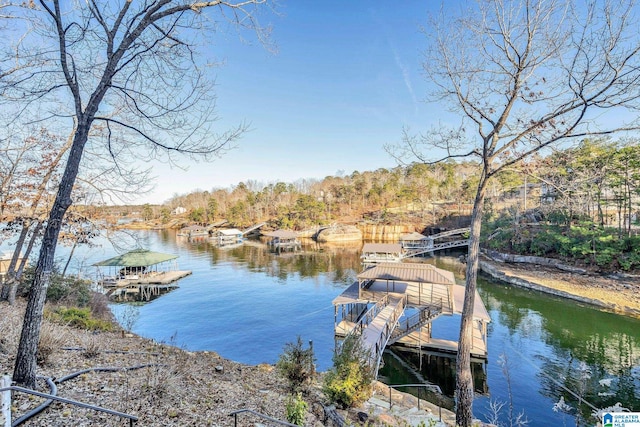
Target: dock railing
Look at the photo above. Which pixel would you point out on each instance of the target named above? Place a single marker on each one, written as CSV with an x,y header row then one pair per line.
x,y
388,329
418,320
370,315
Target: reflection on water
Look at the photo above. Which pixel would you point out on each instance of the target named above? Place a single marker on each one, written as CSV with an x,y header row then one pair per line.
x,y
246,303
412,366
591,358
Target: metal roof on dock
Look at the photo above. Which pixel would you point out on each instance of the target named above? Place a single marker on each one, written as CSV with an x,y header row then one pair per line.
x,y
136,258
421,273
382,248
282,234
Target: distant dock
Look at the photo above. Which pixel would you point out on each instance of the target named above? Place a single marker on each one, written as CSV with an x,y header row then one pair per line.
x,y
140,275
142,287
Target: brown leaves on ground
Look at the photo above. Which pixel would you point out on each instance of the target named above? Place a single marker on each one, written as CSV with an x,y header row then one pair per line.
x,y
174,388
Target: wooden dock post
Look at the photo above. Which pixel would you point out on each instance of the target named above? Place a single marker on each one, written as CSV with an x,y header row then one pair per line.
x,y
5,382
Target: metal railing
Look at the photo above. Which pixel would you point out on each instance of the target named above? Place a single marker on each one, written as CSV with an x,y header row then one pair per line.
x,y
131,418
389,327
235,414
433,387
418,320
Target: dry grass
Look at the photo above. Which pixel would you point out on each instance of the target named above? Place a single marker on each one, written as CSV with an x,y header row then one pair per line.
x,y
52,338
173,388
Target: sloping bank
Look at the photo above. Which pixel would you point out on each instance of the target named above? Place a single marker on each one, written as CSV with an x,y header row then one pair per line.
x,y
615,293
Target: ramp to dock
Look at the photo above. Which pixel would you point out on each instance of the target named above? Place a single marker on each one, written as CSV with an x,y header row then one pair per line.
x,y
376,333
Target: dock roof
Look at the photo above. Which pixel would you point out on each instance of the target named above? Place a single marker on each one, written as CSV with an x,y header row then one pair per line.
x,y
408,272
282,234
230,232
413,236
382,248
136,258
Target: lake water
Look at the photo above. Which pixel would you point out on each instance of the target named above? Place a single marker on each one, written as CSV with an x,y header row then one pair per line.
x,y
247,303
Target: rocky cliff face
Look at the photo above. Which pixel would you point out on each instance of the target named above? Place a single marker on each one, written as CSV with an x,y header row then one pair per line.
x,y
341,233
384,232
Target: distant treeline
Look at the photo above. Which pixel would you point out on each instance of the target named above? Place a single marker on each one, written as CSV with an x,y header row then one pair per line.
x,y
598,181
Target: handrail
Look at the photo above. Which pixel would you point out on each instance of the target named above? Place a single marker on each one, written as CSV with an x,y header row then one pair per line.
x,y
435,247
387,332
132,418
433,387
369,315
450,233
258,414
423,316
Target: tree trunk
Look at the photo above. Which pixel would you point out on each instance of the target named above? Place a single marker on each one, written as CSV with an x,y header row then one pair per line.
x,y
25,368
10,278
27,253
73,249
464,378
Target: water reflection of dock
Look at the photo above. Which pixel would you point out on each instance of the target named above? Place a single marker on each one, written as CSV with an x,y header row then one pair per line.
x,y
144,287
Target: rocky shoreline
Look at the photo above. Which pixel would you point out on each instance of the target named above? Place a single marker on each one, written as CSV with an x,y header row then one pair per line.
x,y
619,293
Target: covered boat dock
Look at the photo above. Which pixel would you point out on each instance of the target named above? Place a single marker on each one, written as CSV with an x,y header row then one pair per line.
x,y
395,304
141,274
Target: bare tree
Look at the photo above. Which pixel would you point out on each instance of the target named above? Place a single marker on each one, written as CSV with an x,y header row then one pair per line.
x,y
43,155
130,67
522,75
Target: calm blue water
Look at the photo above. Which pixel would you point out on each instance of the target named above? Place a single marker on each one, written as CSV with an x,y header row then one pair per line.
x,y
247,303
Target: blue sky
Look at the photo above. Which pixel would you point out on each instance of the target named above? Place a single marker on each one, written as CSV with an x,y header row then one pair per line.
x,y
345,80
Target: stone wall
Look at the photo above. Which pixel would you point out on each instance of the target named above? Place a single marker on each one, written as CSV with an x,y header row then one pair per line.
x,y
384,232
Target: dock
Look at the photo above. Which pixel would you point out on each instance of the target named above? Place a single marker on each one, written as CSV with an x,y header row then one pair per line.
x,y
140,275
142,287
374,307
416,244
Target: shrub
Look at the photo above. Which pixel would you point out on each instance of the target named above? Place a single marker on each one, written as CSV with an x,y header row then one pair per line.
x,y
80,318
296,365
296,409
70,290
51,339
349,382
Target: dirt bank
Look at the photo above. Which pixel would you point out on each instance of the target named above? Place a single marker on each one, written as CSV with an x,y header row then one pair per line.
x,y
175,388
616,293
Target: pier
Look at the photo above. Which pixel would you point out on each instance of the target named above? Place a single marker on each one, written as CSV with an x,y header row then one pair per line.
x,y
395,304
142,287
141,275
416,244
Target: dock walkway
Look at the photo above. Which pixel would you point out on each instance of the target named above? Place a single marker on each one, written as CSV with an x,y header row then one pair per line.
x,y
374,307
376,335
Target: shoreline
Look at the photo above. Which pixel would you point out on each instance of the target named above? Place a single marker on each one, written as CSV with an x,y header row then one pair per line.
x,y
181,387
615,294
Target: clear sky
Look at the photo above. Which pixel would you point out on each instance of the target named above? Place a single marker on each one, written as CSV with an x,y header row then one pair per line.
x,y
345,80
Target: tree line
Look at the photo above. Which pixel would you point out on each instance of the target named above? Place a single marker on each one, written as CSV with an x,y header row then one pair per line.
x,y
118,83
596,180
